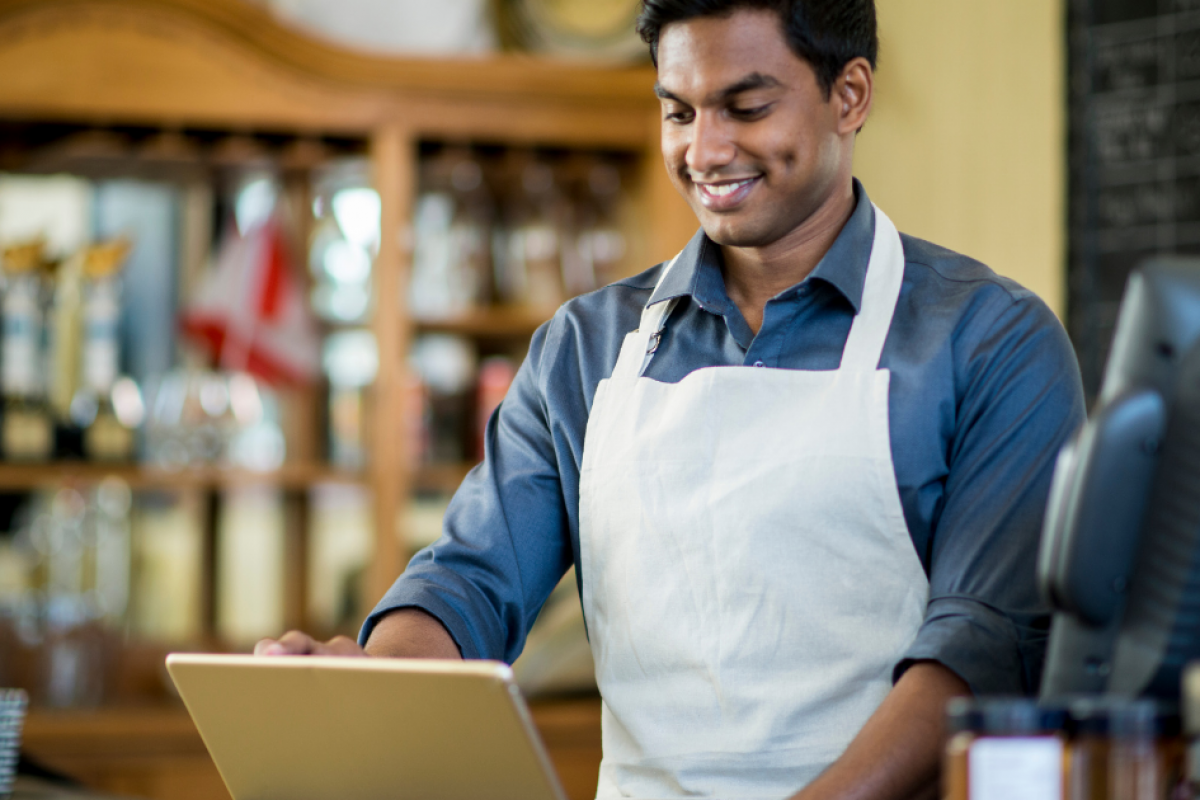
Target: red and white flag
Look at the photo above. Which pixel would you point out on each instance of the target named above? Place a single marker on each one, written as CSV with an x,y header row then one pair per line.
x,y
251,312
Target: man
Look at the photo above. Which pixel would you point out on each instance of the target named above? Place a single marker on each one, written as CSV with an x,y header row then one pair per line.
x,y
801,469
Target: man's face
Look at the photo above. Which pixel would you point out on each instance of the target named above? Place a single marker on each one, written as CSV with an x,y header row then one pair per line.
x,y
748,136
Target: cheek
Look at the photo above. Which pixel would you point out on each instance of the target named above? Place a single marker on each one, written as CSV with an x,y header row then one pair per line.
x,y
674,149
800,154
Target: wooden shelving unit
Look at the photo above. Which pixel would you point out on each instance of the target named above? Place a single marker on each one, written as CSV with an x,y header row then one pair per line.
x,y
441,478
156,752
491,323
26,477
226,67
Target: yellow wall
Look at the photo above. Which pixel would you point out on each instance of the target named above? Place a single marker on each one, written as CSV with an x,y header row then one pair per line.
x,y
966,146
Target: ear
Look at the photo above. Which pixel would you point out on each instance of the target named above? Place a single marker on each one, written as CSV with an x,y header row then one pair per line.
x,y
854,91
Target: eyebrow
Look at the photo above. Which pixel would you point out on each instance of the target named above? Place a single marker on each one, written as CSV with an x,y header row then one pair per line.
x,y
755,80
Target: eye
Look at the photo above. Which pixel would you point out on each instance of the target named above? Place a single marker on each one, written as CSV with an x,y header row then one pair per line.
x,y
753,112
678,116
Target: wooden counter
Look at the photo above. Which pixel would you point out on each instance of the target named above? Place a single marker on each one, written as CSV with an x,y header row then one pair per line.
x,y
34,789
156,752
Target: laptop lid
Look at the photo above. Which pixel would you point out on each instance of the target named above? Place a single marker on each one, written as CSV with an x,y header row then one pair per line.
x,y
314,728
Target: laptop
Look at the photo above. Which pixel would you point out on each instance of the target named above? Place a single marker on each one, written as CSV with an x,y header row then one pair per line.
x,y
316,728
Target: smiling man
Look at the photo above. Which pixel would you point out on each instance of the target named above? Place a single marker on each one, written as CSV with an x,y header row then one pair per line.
x,y
801,468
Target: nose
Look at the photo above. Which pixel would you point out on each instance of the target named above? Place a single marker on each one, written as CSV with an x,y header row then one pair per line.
x,y
711,147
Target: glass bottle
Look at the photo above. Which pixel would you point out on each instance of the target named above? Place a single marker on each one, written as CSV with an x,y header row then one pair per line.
x,y
529,252
64,326
595,259
470,231
453,218
27,429
108,408
71,668
496,375
446,365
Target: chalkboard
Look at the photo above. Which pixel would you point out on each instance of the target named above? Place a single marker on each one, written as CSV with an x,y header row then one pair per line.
x,y
1134,154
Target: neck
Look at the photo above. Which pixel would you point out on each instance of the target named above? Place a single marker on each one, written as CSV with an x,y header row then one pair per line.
x,y
753,275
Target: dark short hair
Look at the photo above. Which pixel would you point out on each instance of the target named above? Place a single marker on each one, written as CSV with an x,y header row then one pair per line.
x,y
828,34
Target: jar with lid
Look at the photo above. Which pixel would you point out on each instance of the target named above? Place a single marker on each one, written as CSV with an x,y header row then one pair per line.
x,y
964,723
1146,751
1005,748
1087,759
1191,719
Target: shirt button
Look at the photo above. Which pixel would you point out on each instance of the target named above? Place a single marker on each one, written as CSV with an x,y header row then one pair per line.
x,y
804,291
759,364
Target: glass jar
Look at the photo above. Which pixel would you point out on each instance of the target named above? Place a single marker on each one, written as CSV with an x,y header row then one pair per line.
x,y
1087,759
1191,718
1146,751
1005,748
964,723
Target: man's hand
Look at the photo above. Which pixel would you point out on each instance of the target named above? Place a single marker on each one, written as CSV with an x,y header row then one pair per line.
x,y
404,633
295,643
897,753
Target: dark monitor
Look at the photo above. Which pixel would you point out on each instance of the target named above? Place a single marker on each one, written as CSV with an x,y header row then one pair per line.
x,y
1120,556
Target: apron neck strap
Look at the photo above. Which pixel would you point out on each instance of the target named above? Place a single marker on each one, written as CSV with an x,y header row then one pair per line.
x,y
881,291
868,332
641,345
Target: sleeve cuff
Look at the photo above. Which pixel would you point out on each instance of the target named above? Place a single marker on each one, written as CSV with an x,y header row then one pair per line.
x,y
407,593
979,644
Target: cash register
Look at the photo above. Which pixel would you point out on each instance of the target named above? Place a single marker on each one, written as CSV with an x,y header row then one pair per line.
x,y
1120,558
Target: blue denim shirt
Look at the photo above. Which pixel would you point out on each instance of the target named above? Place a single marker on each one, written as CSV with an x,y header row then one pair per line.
x,y
985,389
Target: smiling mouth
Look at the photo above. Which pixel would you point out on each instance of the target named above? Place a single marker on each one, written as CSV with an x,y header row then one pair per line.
x,y
727,194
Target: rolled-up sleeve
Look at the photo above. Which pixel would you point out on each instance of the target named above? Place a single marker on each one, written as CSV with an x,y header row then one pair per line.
x,y
1020,401
505,542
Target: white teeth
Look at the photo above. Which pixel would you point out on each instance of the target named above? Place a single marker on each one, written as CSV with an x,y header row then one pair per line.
x,y
723,189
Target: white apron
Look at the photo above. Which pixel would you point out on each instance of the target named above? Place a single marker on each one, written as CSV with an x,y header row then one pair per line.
x,y
749,580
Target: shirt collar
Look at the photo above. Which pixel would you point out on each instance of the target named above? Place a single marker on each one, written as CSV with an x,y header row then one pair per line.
x,y
697,273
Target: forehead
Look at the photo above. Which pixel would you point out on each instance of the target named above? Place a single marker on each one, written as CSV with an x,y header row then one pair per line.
x,y
707,53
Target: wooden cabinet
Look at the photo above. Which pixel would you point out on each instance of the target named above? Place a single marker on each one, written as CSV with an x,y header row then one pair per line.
x,y
227,69
227,66
158,753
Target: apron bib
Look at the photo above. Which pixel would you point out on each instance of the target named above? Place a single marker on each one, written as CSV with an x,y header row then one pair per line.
x,y
749,581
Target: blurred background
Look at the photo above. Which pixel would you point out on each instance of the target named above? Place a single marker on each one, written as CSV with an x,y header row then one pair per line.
x,y
268,266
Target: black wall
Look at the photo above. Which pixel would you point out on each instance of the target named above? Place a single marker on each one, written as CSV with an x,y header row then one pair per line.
x,y
1134,153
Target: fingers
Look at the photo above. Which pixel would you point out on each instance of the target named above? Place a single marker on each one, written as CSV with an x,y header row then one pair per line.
x,y
296,643
267,647
292,643
341,646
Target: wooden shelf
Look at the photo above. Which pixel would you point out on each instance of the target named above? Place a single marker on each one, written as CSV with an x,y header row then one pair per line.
x,y
231,65
134,729
156,751
22,477
226,68
496,323
252,27
443,478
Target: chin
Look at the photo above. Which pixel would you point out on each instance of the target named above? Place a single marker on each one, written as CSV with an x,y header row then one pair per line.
x,y
733,235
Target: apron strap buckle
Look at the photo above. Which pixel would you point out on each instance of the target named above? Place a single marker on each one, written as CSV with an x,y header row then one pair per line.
x,y
655,340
